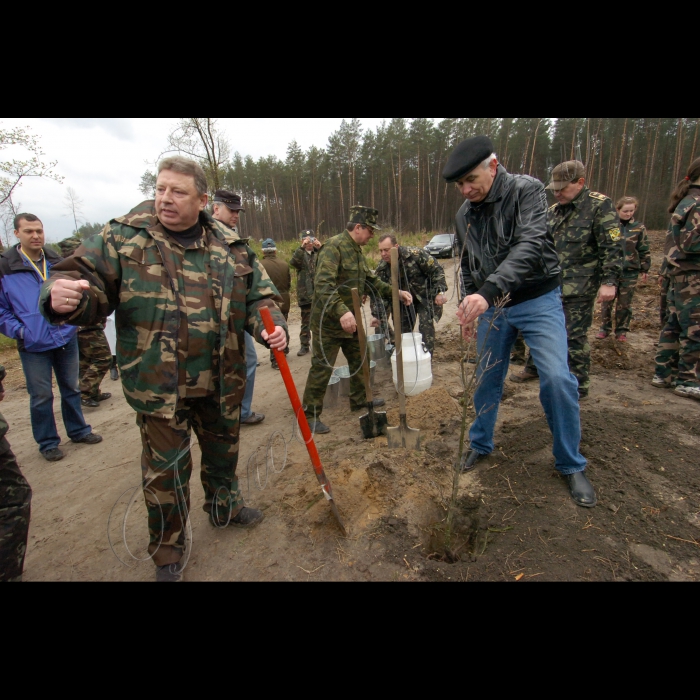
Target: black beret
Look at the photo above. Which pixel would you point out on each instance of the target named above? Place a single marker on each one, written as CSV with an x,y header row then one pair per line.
x,y
466,157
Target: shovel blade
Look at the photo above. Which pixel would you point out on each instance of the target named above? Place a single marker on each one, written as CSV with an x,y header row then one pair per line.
x,y
403,437
374,425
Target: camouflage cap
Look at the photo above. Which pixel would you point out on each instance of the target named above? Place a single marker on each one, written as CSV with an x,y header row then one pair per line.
x,y
69,246
566,173
365,216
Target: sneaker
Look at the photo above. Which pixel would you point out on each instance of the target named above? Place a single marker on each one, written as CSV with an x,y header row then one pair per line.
x,y
54,455
688,392
255,419
172,573
89,403
114,374
660,383
602,335
318,428
622,338
525,376
247,519
90,439
304,351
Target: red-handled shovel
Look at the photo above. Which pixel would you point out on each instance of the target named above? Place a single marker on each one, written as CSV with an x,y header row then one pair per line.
x,y
301,419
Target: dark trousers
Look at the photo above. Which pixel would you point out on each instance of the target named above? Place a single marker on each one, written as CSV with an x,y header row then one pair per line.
x,y
15,510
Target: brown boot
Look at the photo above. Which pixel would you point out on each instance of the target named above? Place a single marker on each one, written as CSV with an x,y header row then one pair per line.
x,y
526,375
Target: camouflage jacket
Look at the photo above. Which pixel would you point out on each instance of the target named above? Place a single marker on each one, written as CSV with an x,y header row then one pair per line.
x,y
281,277
132,267
341,267
305,265
635,245
683,241
419,273
587,236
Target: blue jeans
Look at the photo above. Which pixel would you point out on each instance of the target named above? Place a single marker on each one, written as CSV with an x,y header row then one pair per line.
x,y
251,360
38,367
543,326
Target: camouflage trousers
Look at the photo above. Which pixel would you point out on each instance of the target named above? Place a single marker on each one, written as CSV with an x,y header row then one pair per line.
x,y
95,362
579,319
678,357
623,313
15,509
519,354
305,335
322,364
409,315
663,307
166,465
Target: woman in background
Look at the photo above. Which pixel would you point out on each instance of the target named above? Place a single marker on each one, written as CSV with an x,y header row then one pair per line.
x,y
635,243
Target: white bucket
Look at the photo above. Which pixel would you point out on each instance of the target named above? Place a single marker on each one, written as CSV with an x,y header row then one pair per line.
x,y
417,365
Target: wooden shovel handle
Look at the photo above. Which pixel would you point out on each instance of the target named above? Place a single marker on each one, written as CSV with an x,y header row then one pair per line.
x,y
363,344
397,329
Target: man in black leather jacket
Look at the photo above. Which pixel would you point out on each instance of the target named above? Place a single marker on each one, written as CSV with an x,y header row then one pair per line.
x,y
510,272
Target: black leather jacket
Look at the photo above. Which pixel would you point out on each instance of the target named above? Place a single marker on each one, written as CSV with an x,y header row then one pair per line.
x,y
505,244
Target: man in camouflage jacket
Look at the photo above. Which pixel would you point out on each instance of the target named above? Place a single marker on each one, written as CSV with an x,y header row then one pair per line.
x,y
678,357
420,274
95,355
15,506
586,231
341,268
304,262
185,288
281,277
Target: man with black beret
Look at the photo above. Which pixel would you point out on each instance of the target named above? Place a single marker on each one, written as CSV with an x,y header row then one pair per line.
x,y
509,261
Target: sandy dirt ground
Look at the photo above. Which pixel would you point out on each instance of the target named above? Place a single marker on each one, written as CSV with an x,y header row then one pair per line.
x,y
517,522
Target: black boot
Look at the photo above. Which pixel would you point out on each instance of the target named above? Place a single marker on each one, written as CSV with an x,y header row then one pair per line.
x,y
470,461
581,490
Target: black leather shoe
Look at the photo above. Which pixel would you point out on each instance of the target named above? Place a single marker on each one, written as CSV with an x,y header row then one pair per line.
x,y
318,428
172,573
89,403
248,518
54,455
377,403
303,351
114,374
470,460
581,490
103,397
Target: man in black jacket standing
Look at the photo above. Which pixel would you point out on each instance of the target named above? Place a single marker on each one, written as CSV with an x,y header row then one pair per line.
x,y
507,251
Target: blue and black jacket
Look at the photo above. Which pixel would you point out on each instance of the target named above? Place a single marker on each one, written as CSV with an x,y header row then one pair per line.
x,y
20,286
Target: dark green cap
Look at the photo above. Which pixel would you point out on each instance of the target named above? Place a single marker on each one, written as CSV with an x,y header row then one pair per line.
x,y
365,216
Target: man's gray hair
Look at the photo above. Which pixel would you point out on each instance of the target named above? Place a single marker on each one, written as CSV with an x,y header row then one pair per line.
x,y
487,163
185,166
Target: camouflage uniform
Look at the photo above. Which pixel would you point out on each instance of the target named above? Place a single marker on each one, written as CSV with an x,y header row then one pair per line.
x,y
422,276
15,507
95,355
95,360
180,315
341,267
587,235
281,277
637,260
678,358
305,265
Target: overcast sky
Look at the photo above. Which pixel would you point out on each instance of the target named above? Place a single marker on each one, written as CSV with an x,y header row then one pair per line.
x,y
103,159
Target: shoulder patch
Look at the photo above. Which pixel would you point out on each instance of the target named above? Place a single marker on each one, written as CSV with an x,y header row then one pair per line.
x,y
598,196
615,234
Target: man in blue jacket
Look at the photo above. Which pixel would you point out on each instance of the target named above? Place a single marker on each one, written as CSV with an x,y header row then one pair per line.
x,y
43,348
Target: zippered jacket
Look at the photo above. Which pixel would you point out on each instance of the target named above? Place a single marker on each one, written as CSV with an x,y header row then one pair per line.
x,y
132,269
20,318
